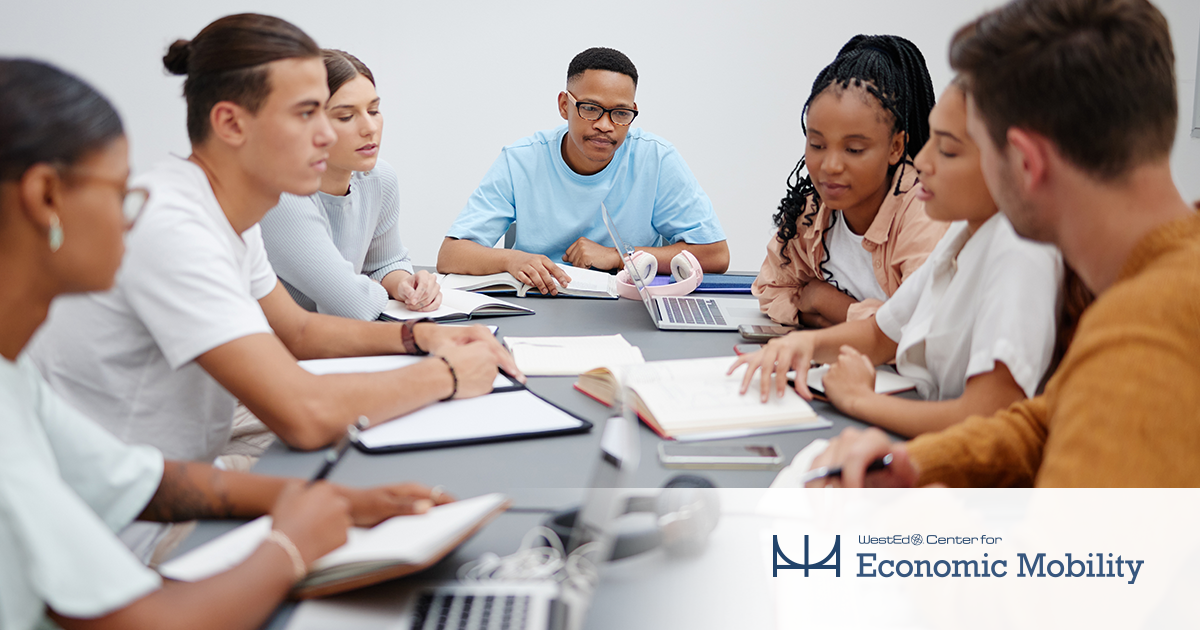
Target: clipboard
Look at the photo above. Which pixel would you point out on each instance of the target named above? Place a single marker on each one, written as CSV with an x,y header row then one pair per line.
x,y
524,415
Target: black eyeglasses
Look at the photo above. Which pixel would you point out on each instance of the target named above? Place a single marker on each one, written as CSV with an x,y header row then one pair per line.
x,y
591,112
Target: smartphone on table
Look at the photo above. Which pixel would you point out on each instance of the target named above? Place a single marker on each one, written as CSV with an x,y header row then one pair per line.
x,y
719,456
755,332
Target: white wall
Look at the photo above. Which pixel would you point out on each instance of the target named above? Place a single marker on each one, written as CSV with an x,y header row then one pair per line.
x,y
459,80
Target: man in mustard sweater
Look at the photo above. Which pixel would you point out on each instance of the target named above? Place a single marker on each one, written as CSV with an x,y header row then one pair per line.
x,y
1073,105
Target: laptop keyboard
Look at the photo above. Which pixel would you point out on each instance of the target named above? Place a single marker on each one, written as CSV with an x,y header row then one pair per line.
x,y
450,611
688,310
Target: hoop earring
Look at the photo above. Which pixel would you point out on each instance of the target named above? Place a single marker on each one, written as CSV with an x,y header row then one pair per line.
x,y
56,233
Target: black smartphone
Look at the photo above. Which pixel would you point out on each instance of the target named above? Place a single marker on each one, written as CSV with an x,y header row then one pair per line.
x,y
754,332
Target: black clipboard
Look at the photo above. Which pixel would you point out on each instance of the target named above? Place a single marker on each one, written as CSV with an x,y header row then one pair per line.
x,y
581,426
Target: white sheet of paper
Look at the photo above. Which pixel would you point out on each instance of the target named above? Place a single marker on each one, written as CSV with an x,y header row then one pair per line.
x,y
494,415
351,365
571,356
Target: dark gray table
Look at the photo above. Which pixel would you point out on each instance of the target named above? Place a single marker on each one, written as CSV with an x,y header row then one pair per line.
x,y
548,474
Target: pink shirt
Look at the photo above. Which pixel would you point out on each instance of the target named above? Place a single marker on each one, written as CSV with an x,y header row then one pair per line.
x,y
899,240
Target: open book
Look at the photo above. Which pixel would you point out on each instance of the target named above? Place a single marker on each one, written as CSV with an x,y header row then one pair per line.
x,y
584,283
692,399
396,547
457,305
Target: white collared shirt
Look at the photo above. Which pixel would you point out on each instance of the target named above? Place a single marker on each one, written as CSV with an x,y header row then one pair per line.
x,y
978,299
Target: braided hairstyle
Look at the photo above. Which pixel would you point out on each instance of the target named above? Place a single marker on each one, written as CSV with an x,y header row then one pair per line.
x,y
888,67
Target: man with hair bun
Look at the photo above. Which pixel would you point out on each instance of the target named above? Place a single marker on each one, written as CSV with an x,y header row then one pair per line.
x,y
197,319
1073,106
552,184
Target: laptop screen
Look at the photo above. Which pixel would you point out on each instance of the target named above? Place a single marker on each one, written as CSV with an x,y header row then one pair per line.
x,y
626,252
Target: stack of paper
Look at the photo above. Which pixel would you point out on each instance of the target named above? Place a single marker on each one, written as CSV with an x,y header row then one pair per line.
x,y
571,356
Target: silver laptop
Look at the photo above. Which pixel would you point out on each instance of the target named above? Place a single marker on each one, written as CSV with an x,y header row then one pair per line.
x,y
685,312
498,605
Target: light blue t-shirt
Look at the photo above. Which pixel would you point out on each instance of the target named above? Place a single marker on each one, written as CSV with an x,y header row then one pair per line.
x,y
647,188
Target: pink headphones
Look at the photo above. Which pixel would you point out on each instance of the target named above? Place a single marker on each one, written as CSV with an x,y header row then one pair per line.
x,y
685,270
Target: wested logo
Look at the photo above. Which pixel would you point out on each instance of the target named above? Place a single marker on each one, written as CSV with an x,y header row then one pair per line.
x,y
831,561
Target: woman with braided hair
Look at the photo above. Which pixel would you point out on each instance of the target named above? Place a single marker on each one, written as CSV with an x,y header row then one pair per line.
x,y
975,327
851,229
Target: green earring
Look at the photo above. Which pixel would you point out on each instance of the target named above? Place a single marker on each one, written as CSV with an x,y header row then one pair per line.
x,y
56,233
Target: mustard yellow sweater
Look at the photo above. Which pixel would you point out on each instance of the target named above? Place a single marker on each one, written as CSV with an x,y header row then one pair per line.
x,y
1123,409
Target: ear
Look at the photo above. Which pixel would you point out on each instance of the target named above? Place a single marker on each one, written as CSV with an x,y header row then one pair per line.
x,y
563,103
40,191
896,151
228,122
1029,156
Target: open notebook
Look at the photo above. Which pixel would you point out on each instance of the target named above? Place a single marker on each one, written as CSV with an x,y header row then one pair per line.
x,y
396,547
587,283
456,305
693,399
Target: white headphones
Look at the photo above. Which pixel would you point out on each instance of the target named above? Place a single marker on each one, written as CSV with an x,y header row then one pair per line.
x,y
685,270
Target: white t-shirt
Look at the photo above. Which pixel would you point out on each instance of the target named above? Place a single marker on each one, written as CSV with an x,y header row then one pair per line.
x,y
188,284
992,297
65,486
847,264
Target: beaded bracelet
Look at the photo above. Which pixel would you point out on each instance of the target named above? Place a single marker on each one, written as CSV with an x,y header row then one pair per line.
x,y
453,375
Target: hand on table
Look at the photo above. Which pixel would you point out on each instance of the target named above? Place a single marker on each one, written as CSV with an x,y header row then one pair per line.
x,y
371,506
851,378
791,352
537,271
420,292
586,253
854,450
448,340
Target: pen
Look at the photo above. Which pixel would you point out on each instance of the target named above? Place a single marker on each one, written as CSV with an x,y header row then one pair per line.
x,y
824,472
334,454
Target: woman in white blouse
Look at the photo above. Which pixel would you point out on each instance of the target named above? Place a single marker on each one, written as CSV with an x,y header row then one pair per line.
x,y
975,326
338,251
67,485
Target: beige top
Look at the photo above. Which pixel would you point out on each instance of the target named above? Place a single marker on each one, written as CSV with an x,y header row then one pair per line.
x,y
899,239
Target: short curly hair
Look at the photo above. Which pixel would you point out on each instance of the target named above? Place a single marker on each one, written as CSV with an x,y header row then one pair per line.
x,y
602,59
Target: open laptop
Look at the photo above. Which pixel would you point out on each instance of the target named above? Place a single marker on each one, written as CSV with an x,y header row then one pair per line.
x,y
499,605
685,312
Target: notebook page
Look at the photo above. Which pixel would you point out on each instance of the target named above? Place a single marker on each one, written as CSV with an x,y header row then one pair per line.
x,y
352,365
494,415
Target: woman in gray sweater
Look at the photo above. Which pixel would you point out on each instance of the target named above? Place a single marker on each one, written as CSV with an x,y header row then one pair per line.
x,y
338,251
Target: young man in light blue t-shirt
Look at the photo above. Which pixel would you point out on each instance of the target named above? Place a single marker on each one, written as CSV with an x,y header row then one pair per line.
x,y
553,182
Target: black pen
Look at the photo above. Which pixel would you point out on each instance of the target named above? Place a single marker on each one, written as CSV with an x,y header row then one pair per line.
x,y
825,472
334,454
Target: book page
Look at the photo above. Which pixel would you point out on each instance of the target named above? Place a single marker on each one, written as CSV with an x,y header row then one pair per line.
x,y
492,416
692,395
472,283
571,356
455,302
589,280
